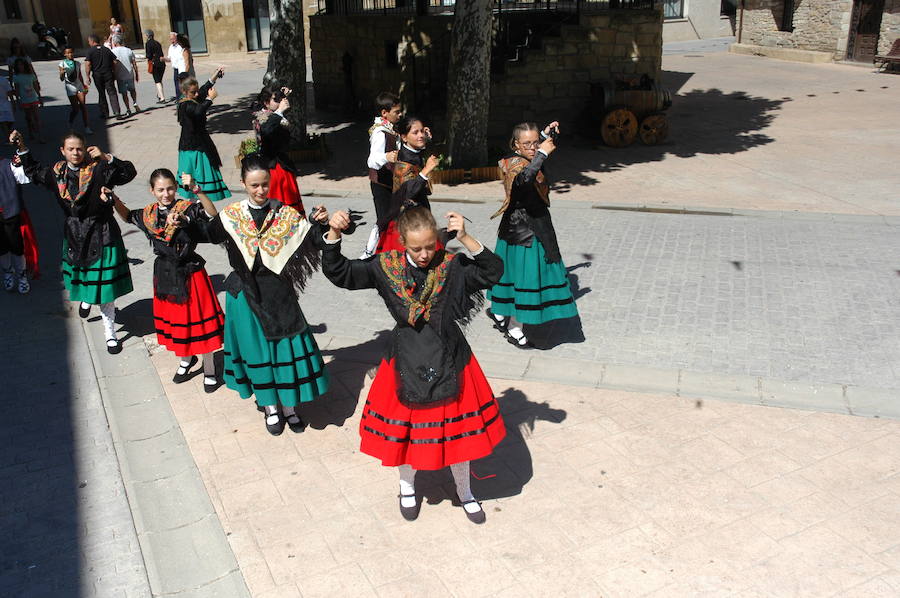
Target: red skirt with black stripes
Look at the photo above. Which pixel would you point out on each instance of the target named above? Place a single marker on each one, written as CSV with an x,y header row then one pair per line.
x,y
194,327
434,435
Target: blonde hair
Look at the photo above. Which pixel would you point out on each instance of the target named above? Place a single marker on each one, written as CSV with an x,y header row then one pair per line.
x,y
417,218
187,84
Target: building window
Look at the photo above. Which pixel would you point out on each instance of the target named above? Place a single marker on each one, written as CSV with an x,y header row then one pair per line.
x,y
728,8
673,9
787,17
13,12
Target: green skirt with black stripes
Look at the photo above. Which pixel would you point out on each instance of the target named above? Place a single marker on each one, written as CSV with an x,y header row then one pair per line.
x,y
206,175
101,282
531,290
287,371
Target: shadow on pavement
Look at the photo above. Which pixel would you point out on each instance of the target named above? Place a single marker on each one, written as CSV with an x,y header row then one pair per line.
x,y
235,117
508,469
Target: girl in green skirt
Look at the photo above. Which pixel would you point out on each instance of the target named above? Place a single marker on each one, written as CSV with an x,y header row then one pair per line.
x,y
197,155
534,288
269,349
95,266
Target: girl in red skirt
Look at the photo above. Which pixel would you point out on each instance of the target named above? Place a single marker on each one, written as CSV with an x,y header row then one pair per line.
x,y
274,136
186,313
411,184
430,404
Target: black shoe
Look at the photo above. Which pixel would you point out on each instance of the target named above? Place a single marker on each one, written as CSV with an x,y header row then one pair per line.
x,y
277,428
478,517
211,388
113,346
410,513
501,325
84,311
179,378
297,425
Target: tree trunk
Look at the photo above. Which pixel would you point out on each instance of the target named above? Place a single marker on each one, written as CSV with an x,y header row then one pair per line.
x,y
287,61
469,83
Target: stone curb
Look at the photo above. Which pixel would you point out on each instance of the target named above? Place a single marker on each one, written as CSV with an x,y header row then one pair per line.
x,y
538,366
182,542
578,204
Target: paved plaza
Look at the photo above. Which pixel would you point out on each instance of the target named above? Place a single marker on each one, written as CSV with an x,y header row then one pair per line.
x,y
748,265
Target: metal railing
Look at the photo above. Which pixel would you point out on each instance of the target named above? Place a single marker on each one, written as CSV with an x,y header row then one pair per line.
x,y
445,7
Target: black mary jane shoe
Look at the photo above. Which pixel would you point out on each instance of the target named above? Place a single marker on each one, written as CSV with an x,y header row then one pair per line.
x,y
179,378
211,388
296,426
501,325
410,513
113,346
277,428
478,517
84,311
517,342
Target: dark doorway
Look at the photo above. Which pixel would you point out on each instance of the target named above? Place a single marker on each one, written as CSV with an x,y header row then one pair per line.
x,y
256,21
865,26
63,13
187,18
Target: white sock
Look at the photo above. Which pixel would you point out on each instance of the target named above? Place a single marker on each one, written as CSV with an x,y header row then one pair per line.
x,y
518,335
407,485
209,369
183,365
271,414
18,263
108,314
463,482
372,243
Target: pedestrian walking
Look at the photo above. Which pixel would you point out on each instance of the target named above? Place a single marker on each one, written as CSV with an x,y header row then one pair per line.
x,y
116,28
430,405
99,65
197,154
411,186
175,56
18,244
28,91
188,54
274,136
156,64
95,265
73,83
535,285
16,51
270,352
186,313
7,106
126,73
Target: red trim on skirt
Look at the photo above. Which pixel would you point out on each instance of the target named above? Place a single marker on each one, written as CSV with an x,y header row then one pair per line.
x,y
283,187
390,240
194,327
430,436
32,252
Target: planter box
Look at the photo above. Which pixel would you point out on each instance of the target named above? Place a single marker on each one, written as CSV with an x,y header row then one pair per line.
x,y
455,176
312,154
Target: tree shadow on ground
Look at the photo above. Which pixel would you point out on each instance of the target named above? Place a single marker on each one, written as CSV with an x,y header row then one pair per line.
x,y
509,468
347,372
701,121
236,117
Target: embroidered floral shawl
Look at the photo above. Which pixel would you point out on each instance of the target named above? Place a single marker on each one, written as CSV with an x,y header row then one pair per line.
x,y
404,171
85,177
393,263
151,219
280,236
510,168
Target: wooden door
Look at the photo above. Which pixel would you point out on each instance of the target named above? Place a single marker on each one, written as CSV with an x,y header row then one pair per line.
x,y
62,13
864,29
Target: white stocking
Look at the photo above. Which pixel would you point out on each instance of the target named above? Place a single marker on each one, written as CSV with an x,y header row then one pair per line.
x,y
372,243
209,369
407,485
271,414
460,473
108,314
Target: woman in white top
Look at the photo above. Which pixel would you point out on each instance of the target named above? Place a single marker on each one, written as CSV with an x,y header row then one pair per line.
x,y
116,28
70,75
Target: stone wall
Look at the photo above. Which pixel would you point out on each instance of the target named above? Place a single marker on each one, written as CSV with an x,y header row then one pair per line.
x,y
890,26
819,25
550,81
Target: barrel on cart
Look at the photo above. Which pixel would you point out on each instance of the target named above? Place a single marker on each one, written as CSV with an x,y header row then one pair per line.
x,y
630,108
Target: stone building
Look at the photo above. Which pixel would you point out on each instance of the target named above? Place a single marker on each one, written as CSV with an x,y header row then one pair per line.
x,y
818,30
686,20
544,60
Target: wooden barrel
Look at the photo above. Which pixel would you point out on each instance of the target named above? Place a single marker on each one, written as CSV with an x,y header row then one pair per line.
x,y
654,98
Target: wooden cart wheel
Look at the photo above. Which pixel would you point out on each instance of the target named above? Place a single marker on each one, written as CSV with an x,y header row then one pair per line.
x,y
654,129
619,127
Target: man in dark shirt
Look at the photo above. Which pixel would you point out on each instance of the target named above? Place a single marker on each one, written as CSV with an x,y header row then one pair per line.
x,y
101,63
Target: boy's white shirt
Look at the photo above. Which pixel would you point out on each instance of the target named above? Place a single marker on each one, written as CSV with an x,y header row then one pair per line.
x,y
377,151
19,174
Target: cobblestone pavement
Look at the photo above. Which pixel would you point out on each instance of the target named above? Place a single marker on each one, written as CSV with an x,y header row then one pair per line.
x,y
592,493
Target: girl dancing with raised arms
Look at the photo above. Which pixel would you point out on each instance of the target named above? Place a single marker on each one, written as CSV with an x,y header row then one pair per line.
x,y
430,405
186,313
